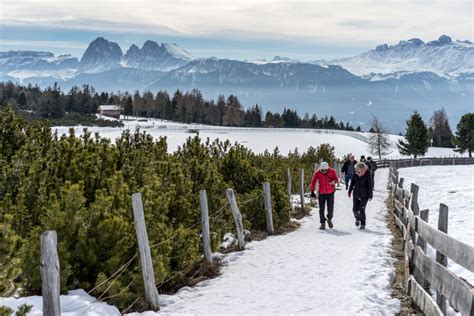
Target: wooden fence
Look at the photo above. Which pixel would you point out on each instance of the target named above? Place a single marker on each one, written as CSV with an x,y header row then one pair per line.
x,y
50,269
422,273
442,161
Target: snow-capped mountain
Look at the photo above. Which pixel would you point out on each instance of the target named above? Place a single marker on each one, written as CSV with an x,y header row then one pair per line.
x,y
224,72
317,89
24,64
153,56
101,55
443,56
388,81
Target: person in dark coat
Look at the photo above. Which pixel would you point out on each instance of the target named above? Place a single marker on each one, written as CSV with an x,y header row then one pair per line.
x,y
362,186
372,167
362,159
348,168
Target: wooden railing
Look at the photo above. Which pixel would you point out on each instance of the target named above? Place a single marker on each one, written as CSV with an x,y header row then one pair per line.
x,y
50,268
441,161
422,272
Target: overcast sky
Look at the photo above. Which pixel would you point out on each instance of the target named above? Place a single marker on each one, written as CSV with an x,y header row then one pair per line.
x,y
241,29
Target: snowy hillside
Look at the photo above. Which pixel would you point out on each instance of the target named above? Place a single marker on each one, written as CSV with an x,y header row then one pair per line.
x,y
257,139
444,57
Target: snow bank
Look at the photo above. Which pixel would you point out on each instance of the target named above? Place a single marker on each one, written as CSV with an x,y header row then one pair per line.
x,y
75,303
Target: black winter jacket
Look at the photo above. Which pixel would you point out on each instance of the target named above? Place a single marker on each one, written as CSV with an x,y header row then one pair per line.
x,y
347,168
363,187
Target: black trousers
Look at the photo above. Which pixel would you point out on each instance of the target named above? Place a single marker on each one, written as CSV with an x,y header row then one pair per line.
x,y
322,199
359,209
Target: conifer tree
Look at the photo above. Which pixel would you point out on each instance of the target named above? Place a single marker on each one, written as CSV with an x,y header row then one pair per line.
x,y
22,100
128,107
416,141
464,139
234,115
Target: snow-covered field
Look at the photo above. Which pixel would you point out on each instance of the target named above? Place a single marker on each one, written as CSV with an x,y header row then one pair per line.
x,y
340,271
453,186
256,139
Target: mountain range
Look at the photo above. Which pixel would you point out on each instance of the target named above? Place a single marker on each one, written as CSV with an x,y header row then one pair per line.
x,y
388,81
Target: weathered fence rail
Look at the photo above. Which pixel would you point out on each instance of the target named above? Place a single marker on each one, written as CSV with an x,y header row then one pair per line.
x,y
50,272
421,271
441,161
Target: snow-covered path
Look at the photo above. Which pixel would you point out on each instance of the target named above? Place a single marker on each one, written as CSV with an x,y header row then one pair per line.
x,y
340,271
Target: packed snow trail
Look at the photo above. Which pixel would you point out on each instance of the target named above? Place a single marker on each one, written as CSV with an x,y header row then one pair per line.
x,y
339,271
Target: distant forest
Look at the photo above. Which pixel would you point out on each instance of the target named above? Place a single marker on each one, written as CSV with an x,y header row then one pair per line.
x,y
79,105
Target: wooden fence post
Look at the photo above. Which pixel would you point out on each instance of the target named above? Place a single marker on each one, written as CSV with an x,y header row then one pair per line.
x,y
146,262
424,215
441,258
50,277
206,234
395,172
237,217
267,200
400,183
288,186
302,188
415,208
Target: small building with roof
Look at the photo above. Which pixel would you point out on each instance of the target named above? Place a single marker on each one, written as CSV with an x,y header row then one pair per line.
x,y
110,110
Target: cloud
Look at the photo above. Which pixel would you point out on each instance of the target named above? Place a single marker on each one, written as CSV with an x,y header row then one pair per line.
x,y
367,21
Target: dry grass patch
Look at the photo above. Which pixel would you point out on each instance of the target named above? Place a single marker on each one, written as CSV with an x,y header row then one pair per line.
x,y
407,307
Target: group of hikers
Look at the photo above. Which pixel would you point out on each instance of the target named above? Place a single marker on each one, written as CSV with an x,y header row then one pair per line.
x,y
359,181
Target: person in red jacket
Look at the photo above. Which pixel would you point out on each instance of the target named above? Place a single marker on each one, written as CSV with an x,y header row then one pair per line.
x,y
327,179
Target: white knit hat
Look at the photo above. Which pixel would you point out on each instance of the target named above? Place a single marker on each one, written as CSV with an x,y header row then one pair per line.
x,y
324,165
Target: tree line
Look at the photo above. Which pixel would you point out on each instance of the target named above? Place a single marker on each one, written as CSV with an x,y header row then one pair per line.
x,y
419,137
185,107
81,187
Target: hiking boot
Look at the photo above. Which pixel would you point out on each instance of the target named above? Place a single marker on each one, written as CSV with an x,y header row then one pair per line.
x,y
329,222
323,226
357,222
362,226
